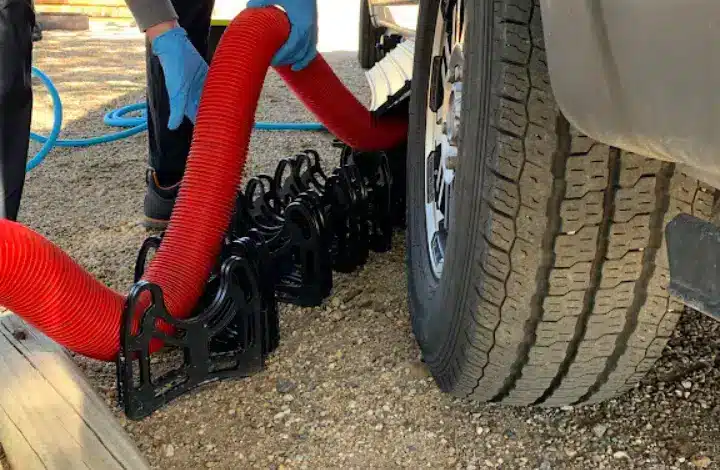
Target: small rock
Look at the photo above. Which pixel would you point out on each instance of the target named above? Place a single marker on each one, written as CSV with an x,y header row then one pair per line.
x,y
480,430
687,385
210,464
169,450
288,398
702,462
284,386
351,295
572,453
621,455
335,302
379,427
567,408
418,370
600,430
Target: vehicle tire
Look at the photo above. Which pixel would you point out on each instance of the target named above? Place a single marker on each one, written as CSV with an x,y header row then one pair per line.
x,y
540,276
368,53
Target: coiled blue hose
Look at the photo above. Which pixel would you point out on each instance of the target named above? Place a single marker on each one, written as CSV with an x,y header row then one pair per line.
x,y
116,118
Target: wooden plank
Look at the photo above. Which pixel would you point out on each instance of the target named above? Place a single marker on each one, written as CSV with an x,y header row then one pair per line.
x,y
47,408
222,10
63,21
84,3
91,11
12,438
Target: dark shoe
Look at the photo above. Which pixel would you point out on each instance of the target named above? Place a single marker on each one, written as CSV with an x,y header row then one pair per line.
x,y
37,33
159,202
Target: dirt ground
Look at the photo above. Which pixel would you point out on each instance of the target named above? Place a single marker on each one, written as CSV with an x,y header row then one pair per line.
x,y
345,389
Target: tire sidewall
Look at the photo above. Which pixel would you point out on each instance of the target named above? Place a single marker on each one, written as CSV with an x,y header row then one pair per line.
x,y
439,307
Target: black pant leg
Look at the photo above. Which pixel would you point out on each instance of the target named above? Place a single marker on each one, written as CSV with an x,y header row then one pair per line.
x,y
17,19
169,149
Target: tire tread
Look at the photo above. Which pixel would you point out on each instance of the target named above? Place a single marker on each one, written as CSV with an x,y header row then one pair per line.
x,y
569,302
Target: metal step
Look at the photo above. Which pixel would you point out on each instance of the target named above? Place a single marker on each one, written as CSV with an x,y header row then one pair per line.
x,y
390,78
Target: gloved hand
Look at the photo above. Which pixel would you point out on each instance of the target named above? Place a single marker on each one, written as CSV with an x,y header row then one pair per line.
x,y
300,48
185,71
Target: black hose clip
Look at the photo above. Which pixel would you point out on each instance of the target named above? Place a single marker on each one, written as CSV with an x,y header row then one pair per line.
x,y
289,232
224,337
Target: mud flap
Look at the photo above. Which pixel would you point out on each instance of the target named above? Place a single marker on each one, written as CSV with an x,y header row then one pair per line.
x,y
693,247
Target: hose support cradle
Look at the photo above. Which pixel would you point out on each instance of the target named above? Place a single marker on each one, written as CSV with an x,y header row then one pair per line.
x,y
288,233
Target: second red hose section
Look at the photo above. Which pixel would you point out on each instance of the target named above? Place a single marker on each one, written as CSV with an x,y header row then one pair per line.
x,y
42,284
326,96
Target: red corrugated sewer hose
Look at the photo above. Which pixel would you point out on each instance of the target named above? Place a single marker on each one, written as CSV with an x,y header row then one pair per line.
x,y
42,284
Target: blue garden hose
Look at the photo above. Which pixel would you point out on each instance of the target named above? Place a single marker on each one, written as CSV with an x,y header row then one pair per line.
x,y
116,118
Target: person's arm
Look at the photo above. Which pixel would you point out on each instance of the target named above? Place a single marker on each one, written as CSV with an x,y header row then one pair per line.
x,y
151,15
300,48
184,69
157,29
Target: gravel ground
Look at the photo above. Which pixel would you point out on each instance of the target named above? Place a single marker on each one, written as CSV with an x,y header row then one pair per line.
x,y
345,389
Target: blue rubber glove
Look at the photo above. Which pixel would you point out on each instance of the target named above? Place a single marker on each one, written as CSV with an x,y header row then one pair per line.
x,y
300,48
185,71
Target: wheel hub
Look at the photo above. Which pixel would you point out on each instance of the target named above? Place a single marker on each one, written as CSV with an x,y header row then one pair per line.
x,y
442,133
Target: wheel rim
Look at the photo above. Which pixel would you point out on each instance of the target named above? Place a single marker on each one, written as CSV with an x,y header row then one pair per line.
x,y
442,127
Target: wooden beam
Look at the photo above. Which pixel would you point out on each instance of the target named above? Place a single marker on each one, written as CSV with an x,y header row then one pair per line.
x,y
50,416
84,3
91,11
